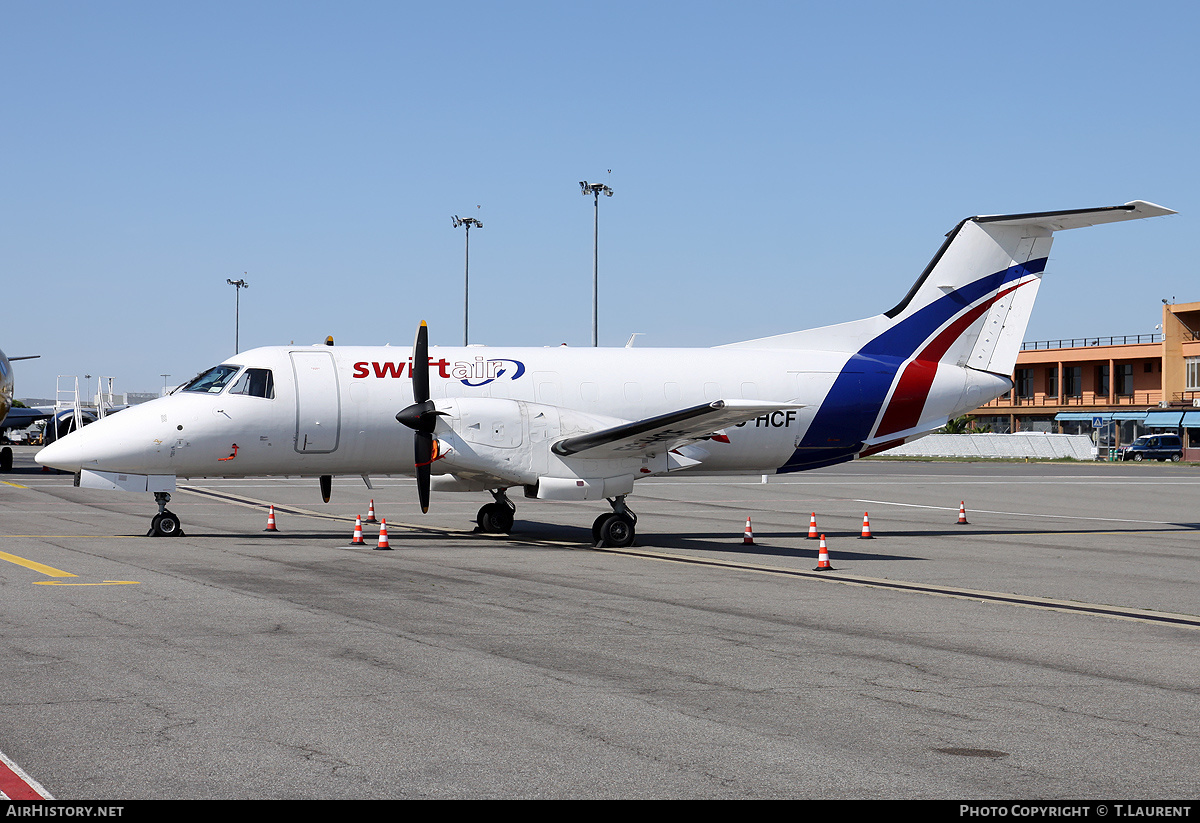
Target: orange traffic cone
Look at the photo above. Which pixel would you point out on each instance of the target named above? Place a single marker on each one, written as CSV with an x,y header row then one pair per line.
x,y
271,521
371,513
812,527
823,558
866,529
748,537
962,513
383,540
358,535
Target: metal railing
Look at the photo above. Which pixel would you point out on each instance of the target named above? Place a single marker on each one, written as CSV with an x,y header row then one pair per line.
x,y
1082,342
1140,398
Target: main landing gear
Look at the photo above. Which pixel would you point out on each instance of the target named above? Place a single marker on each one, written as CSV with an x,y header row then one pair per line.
x,y
616,530
165,523
496,518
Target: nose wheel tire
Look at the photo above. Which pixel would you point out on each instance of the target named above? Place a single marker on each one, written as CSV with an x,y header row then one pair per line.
x,y
165,525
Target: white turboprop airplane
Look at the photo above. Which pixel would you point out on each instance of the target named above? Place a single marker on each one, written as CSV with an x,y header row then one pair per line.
x,y
586,423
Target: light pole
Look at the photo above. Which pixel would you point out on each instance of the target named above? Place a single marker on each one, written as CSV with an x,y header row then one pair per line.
x,y
466,222
238,285
595,189
164,388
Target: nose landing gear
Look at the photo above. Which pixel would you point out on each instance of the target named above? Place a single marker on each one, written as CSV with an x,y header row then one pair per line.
x,y
165,523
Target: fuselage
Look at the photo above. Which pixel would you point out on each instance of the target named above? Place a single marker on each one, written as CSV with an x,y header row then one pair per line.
x,y
331,409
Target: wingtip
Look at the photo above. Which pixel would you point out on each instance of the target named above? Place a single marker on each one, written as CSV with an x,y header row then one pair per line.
x,y
1150,209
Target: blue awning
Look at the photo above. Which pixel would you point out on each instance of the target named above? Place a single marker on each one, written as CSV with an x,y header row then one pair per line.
x,y
1191,419
1129,415
1163,419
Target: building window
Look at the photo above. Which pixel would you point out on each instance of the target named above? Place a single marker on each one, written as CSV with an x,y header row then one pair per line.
x,y
1125,379
1024,383
1193,374
1102,379
1052,381
1073,381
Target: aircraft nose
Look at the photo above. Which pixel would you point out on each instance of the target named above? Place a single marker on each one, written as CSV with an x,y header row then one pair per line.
x,y
66,453
111,444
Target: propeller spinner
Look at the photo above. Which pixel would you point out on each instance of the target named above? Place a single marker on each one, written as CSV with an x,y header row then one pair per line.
x,y
422,415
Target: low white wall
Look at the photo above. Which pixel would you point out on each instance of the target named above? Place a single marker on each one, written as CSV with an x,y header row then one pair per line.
x,y
1022,444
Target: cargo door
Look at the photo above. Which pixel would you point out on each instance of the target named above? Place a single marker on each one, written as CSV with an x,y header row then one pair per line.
x,y
318,411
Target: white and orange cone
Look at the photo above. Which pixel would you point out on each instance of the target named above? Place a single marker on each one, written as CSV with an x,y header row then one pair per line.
x,y
823,558
866,529
812,527
748,537
271,521
383,538
962,513
371,513
358,534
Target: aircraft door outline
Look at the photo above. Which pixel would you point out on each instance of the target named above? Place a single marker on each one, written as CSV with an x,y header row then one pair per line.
x,y
318,406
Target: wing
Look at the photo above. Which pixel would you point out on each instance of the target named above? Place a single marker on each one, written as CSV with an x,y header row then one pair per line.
x,y
666,431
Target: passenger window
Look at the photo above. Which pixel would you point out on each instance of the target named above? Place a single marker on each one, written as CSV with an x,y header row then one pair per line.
x,y
255,383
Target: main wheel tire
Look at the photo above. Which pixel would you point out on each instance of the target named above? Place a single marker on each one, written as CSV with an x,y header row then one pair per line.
x,y
495,519
597,524
6,458
617,531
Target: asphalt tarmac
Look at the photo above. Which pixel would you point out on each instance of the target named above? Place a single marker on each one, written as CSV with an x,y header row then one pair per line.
x,y
1049,648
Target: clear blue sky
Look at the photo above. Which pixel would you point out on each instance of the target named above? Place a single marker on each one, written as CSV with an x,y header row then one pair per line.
x,y
777,166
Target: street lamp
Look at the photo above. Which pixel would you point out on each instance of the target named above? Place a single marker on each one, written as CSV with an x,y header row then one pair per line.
x,y
595,189
238,285
466,222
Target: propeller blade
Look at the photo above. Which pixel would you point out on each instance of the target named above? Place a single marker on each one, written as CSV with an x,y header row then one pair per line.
x,y
422,415
423,456
420,365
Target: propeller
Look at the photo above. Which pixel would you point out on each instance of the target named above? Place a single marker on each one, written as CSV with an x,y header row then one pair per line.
x,y
422,415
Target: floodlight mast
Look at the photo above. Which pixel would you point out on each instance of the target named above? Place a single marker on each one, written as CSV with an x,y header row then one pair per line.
x,y
238,285
466,222
595,189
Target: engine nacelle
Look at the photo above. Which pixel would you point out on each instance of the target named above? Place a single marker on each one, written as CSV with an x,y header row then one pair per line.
x,y
482,440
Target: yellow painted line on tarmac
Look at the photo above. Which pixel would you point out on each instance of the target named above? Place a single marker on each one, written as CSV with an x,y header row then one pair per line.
x,y
14,485
103,583
36,566
50,571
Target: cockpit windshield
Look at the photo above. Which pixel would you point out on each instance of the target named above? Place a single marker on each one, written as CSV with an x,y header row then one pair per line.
x,y
213,380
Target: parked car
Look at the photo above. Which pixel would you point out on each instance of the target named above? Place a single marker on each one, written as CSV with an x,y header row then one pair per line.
x,y
1154,447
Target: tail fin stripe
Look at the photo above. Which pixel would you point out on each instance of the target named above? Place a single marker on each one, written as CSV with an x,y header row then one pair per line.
x,y
851,408
907,335
912,390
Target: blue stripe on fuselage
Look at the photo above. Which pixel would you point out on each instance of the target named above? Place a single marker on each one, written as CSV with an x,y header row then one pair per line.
x,y
850,409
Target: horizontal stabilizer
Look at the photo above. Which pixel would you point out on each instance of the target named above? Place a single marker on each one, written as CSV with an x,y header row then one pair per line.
x,y
666,431
1079,218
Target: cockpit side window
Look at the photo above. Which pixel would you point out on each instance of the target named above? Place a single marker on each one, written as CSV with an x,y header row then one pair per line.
x,y
255,383
213,380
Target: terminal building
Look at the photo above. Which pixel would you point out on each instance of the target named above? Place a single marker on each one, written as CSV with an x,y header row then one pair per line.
x,y
1113,388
